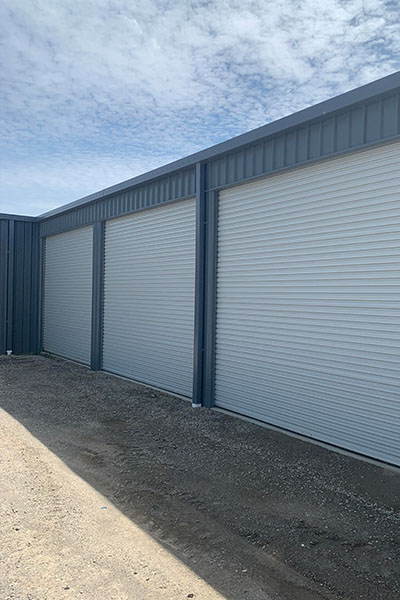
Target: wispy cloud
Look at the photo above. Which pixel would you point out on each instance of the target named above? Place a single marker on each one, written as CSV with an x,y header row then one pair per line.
x,y
93,93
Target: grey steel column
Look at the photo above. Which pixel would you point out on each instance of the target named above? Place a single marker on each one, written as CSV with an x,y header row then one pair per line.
x,y
42,257
205,290
199,285
210,298
97,296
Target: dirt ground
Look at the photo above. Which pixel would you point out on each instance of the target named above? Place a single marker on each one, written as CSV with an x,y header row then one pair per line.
x,y
111,490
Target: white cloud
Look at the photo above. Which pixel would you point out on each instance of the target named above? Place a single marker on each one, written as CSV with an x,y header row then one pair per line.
x,y
95,92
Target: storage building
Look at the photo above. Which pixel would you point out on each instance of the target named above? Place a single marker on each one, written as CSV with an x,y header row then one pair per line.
x,y
260,276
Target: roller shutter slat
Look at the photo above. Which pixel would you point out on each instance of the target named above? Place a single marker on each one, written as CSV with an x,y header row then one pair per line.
x,y
67,305
308,302
149,278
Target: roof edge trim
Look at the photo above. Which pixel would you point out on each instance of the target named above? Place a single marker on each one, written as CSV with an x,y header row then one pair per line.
x,y
370,91
11,217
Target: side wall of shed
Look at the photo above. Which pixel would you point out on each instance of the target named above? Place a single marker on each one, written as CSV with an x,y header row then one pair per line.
x,y
19,286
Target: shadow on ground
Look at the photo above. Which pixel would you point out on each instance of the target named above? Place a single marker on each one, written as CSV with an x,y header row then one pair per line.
x,y
253,512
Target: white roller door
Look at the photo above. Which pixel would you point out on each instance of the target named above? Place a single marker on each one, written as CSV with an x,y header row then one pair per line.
x,y
308,299
67,305
149,296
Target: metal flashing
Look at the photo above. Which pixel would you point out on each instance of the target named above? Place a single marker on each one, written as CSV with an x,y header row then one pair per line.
x,y
368,95
10,217
177,187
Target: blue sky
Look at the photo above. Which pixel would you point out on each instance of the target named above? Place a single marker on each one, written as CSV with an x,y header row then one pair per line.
x,y
95,92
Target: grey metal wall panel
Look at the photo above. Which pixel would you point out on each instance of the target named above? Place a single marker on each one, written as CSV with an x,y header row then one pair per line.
x,y
19,281
11,217
35,306
3,283
26,287
308,313
10,284
149,282
67,308
386,88
174,187
364,117
351,129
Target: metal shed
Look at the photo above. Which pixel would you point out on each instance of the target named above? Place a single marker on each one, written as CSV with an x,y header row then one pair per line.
x,y
259,276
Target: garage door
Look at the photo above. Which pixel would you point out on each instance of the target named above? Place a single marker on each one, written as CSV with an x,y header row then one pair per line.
x,y
67,306
308,299
149,296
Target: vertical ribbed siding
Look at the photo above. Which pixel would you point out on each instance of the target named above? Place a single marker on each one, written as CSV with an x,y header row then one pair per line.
x,y
3,283
67,308
149,297
181,184
308,309
291,142
19,285
367,124
26,288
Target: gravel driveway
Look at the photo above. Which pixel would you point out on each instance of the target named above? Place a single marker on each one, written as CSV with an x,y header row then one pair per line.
x,y
113,490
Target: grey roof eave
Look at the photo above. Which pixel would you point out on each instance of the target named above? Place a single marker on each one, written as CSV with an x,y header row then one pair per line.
x,y
364,93
11,217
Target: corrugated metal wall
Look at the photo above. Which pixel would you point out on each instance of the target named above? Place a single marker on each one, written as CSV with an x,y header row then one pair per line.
x,y
3,284
19,285
362,124
26,287
367,117
174,187
349,130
